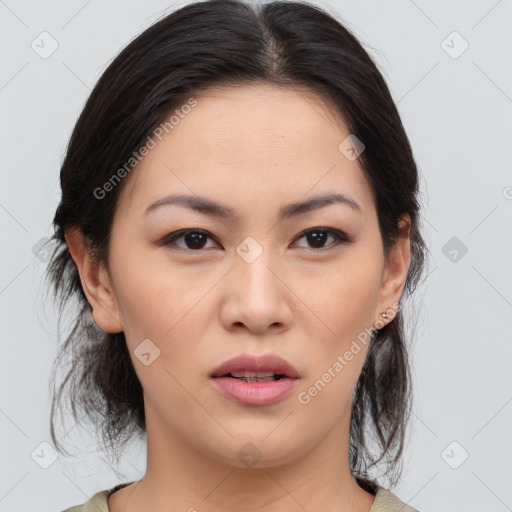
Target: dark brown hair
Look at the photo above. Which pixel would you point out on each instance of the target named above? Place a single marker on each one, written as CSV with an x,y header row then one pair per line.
x,y
290,44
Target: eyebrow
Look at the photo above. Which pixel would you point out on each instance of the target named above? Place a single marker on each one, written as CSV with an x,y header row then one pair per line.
x,y
211,208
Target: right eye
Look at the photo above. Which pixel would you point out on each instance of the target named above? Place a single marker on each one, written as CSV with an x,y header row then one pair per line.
x,y
194,239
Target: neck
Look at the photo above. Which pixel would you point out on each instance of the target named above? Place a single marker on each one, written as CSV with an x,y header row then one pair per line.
x,y
182,476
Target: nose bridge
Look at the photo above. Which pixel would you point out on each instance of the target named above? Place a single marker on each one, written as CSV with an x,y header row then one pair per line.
x,y
252,268
256,296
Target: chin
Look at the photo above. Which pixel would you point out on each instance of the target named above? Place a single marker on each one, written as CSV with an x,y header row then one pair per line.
x,y
253,452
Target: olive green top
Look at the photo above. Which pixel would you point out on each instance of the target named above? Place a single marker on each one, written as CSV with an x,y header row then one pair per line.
x,y
385,501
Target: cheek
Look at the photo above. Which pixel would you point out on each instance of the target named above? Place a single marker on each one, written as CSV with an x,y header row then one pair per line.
x,y
348,300
346,305
153,301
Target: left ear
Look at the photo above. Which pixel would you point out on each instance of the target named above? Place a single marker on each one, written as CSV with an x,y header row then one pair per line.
x,y
394,274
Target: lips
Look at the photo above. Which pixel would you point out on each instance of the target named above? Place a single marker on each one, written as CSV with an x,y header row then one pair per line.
x,y
256,367
255,380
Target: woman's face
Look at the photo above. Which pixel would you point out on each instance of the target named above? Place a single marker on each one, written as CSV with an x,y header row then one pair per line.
x,y
252,282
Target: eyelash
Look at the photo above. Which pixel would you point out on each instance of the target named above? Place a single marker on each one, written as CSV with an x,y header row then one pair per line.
x,y
340,237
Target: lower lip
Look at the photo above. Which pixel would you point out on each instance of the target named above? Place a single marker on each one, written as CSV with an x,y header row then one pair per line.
x,y
254,393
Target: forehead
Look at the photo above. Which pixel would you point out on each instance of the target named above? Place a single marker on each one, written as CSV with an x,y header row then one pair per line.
x,y
246,144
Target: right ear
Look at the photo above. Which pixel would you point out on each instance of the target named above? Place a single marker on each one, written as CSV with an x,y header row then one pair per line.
x,y
95,282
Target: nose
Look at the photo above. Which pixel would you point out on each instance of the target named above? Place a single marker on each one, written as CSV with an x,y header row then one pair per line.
x,y
256,296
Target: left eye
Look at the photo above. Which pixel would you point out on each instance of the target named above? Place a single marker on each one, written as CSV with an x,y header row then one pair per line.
x,y
318,236
195,239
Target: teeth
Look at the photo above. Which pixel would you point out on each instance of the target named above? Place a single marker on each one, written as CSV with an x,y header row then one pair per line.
x,y
250,374
257,379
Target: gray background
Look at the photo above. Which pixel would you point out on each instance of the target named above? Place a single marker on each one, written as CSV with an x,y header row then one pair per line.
x,y
457,112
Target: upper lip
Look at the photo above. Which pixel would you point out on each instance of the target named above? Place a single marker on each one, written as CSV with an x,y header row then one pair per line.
x,y
262,363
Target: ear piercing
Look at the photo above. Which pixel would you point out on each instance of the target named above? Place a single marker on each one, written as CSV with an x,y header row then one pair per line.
x,y
382,315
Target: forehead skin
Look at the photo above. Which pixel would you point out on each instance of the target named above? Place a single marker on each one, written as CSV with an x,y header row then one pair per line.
x,y
253,147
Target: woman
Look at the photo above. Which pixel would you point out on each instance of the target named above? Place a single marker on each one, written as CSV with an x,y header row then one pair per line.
x,y
240,222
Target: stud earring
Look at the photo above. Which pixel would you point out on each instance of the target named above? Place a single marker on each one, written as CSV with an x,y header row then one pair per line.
x,y
384,315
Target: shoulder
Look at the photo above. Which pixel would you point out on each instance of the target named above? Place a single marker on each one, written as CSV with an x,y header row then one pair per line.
x,y
98,502
386,501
